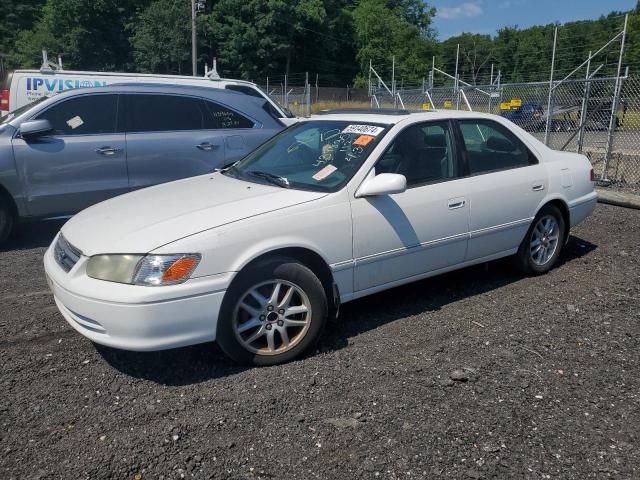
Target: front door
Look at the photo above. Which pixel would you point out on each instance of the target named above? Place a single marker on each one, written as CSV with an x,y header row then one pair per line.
x,y
81,162
424,229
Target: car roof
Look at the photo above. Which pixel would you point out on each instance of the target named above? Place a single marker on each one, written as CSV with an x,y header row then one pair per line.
x,y
136,87
393,119
246,104
187,79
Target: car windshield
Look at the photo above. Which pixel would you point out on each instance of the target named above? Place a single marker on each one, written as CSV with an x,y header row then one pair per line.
x,y
320,155
19,111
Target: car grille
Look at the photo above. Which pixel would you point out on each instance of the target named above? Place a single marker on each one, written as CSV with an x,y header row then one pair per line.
x,y
66,254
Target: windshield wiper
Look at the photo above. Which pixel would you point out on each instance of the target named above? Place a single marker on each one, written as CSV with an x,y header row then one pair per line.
x,y
271,178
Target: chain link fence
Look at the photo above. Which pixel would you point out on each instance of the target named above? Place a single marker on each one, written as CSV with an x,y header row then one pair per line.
x,y
576,117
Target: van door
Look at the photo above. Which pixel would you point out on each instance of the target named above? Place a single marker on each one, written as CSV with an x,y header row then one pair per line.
x,y
82,161
170,137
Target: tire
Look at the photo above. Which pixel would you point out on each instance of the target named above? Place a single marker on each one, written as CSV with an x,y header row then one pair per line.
x,y
7,220
253,332
548,228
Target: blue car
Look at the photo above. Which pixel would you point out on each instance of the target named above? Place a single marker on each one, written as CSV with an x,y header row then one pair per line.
x,y
529,116
62,154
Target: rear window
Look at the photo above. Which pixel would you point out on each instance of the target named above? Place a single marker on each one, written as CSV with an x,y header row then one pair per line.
x,y
167,113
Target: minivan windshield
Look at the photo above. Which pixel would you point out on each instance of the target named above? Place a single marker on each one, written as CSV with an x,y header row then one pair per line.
x,y
319,155
19,111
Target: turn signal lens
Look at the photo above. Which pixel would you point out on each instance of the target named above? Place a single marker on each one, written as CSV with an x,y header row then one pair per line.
x,y
179,269
155,270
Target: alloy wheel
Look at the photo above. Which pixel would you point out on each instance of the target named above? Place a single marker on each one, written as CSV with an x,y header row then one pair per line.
x,y
544,240
272,317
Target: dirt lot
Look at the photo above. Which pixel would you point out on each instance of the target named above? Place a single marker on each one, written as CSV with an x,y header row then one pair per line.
x,y
551,366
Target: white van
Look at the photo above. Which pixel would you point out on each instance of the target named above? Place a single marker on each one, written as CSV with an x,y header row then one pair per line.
x,y
26,86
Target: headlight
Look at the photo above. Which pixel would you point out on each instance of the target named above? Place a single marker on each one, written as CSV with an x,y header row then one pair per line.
x,y
150,270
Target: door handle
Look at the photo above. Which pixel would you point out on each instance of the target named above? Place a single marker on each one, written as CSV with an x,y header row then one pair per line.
x,y
207,147
108,151
456,203
537,187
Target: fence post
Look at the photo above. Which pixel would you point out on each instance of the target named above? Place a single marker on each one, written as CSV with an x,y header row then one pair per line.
x,y
285,92
491,89
585,105
549,101
456,85
393,82
307,96
614,106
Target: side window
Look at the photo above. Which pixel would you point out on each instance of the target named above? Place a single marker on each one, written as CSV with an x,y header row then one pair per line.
x,y
162,113
490,147
83,115
221,117
422,153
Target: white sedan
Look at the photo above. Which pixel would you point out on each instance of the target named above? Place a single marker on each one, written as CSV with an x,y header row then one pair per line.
x,y
340,206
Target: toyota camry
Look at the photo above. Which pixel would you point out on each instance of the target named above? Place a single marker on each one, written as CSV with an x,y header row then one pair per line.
x,y
258,255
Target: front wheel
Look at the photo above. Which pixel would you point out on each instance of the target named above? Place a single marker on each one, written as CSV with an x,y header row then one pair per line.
x,y
272,313
543,243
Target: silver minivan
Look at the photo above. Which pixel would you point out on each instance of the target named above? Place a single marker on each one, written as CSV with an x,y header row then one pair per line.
x,y
65,153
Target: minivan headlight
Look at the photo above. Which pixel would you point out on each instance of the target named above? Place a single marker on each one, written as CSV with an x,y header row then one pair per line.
x,y
152,270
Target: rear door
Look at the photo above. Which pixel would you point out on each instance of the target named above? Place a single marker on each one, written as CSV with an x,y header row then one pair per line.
x,y
82,162
170,137
506,185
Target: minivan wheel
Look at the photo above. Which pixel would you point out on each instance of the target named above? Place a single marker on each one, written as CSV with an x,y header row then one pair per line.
x,y
543,243
6,221
272,312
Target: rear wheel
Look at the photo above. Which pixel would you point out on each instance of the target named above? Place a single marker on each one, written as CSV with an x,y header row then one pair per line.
x,y
543,243
6,220
272,313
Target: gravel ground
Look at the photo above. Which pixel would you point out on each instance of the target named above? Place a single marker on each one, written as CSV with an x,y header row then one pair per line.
x,y
477,374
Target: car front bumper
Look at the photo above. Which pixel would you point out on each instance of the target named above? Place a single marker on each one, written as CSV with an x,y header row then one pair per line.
x,y
133,317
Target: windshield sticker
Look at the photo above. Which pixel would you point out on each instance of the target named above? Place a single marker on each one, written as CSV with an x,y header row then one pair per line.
x,y
324,173
75,122
364,140
364,130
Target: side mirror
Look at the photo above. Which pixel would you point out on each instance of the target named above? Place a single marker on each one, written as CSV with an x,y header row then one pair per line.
x,y
383,184
34,128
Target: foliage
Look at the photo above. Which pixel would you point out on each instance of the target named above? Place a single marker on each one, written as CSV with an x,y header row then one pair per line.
x,y
385,29
161,37
90,34
19,15
253,39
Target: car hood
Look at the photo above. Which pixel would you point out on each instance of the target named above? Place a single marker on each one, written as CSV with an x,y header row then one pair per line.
x,y
144,220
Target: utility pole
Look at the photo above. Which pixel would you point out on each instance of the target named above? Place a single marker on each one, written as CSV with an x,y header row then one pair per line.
x,y
194,46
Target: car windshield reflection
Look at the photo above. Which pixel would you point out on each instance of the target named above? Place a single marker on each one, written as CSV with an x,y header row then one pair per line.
x,y
314,155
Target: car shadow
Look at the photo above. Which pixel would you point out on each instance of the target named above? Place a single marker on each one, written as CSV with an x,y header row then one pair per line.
x,y
200,363
32,235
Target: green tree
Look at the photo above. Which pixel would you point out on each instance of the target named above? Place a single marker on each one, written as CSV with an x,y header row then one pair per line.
x,y
18,15
476,55
383,31
90,34
258,36
161,37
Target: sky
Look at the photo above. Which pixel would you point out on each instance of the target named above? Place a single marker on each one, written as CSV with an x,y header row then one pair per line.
x,y
487,16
